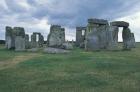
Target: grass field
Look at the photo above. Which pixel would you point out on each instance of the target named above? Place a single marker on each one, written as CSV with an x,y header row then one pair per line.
x,y
78,71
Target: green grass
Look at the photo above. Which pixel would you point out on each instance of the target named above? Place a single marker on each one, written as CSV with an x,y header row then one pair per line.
x,y
79,71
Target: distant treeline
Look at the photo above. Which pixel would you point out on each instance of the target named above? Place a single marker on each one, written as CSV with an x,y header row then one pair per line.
x,y
2,41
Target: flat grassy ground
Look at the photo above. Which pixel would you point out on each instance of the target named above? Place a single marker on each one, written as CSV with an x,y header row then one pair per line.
x,y
78,71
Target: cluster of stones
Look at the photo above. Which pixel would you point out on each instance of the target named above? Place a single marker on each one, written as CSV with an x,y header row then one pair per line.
x,y
37,43
56,41
18,40
99,34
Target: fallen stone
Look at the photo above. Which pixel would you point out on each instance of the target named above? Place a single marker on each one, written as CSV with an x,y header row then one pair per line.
x,y
67,46
33,50
55,51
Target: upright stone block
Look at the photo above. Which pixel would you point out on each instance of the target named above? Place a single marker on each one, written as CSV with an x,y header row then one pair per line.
x,y
92,41
19,43
96,34
41,40
113,38
19,38
126,39
80,36
56,36
10,38
27,43
132,40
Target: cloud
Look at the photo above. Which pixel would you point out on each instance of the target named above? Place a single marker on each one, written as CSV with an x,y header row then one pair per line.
x,y
76,12
134,21
38,15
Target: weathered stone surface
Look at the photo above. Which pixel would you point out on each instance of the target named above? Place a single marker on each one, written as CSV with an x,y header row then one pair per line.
x,y
120,24
33,50
102,34
56,37
10,38
19,38
19,43
126,39
19,31
67,46
27,43
80,35
113,38
132,41
92,41
34,43
41,40
55,51
37,43
98,21
15,38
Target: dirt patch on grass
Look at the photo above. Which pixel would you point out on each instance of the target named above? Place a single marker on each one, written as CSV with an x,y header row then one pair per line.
x,y
17,59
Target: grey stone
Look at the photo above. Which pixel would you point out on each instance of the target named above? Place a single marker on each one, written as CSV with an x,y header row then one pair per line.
x,y
55,51
15,38
120,24
126,39
67,46
113,38
27,43
56,37
19,38
10,38
33,50
92,41
19,43
132,40
19,31
98,21
102,34
34,42
80,37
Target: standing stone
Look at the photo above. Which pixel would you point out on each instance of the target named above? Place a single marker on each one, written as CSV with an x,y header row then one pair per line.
x,y
92,41
41,40
27,43
102,34
132,39
113,38
19,43
33,41
96,34
80,36
126,39
56,37
19,39
10,38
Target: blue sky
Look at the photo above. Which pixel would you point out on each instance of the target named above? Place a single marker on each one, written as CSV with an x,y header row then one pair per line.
x,y
38,15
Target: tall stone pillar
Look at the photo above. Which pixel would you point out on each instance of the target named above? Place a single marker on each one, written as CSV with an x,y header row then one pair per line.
x,y
27,43
9,38
19,39
126,39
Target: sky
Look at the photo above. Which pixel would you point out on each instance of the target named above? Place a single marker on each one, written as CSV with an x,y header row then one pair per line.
x,y
39,15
